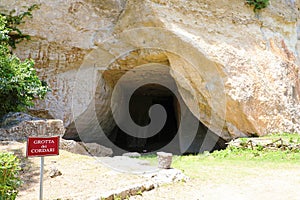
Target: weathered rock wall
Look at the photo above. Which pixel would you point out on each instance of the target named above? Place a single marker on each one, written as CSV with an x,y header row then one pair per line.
x,y
240,68
20,126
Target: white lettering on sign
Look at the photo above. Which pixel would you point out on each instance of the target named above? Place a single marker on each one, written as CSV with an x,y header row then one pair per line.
x,y
42,150
42,146
43,142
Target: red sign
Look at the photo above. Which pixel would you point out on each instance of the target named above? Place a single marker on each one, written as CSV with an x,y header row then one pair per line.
x,y
43,146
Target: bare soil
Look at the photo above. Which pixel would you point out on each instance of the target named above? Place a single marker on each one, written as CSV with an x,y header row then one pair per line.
x,y
261,185
85,177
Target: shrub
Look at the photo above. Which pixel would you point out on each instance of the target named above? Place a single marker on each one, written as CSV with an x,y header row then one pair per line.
x,y
19,83
9,179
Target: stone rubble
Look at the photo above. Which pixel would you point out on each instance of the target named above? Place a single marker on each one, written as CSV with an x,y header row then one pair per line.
x,y
54,172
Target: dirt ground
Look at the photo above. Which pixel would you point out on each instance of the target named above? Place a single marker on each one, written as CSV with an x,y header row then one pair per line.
x,y
85,177
259,186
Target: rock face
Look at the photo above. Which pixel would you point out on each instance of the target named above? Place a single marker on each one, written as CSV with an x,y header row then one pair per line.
x,y
12,119
19,126
236,71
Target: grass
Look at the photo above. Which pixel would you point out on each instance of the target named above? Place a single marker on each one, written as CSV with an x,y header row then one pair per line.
x,y
258,155
237,161
291,137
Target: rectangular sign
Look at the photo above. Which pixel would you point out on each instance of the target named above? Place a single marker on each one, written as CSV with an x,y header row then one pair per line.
x,y
42,146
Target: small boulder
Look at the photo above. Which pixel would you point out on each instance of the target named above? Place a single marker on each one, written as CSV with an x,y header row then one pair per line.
x,y
72,146
164,160
98,150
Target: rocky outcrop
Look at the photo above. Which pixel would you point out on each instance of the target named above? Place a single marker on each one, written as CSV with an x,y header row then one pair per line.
x,y
14,118
235,70
20,126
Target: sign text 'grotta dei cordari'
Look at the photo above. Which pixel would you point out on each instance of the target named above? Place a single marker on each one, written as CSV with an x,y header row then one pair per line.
x,y
173,75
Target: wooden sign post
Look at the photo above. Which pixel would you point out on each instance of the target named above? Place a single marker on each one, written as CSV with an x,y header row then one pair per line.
x,y
42,146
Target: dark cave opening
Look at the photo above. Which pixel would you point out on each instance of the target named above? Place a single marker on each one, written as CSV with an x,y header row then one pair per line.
x,y
140,102
168,139
186,131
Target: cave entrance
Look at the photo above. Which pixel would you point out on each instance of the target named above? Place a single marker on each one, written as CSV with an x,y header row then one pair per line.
x,y
139,105
151,70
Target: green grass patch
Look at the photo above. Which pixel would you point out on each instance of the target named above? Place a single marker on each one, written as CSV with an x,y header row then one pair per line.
x,y
257,154
238,161
290,137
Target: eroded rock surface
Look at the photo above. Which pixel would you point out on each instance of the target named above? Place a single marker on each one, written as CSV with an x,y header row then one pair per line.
x,y
235,70
20,126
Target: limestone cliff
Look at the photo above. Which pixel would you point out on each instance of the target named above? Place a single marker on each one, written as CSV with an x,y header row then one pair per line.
x,y
236,70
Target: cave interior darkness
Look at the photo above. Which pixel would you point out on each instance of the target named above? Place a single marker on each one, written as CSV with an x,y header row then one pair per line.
x,y
140,102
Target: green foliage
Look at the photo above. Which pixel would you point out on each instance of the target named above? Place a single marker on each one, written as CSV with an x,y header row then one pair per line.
x,y
286,147
244,142
285,136
258,4
19,83
258,154
9,179
12,21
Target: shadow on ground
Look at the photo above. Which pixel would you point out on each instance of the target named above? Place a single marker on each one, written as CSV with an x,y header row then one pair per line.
x,y
29,172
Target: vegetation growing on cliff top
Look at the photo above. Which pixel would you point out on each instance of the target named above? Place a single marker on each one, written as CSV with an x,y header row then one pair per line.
x,y
258,4
19,83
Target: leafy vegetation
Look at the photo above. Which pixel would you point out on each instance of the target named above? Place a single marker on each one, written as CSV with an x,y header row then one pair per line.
x,y
258,154
13,34
19,83
258,4
9,179
283,147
